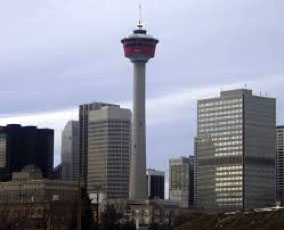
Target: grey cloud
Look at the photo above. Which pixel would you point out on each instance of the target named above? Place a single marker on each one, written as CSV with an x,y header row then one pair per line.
x,y
56,54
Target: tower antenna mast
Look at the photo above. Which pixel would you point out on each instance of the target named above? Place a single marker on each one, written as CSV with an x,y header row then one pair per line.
x,y
140,14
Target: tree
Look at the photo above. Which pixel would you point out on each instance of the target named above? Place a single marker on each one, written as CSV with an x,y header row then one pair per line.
x,y
111,218
127,225
88,222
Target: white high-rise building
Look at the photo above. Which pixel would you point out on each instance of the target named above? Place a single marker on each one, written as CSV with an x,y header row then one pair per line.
x,y
70,151
108,152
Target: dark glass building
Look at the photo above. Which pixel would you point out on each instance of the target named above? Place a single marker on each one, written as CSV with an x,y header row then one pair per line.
x,y
21,146
156,184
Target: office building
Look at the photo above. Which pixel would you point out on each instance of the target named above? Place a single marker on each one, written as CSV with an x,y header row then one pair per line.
x,y
139,47
21,146
83,137
280,164
70,151
181,180
108,152
235,152
156,184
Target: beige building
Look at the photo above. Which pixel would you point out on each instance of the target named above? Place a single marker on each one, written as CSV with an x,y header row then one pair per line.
x,y
108,152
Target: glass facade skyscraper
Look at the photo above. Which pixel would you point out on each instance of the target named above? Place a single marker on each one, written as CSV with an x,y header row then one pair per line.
x,y
235,152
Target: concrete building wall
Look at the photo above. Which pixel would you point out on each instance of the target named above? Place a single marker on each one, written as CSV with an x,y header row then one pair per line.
x,y
83,136
109,151
280,164
259,152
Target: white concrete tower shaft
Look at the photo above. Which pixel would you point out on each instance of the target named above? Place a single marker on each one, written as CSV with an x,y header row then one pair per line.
x,y
139,47
138,183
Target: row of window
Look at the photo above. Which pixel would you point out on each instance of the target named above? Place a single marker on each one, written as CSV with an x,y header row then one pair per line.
x,y
240,188
229,173
239,137
219,123
220,107
228,199
225,184
227,154
220,102
216,129
219,113
232,167
225,149
228,143
234,178
218,118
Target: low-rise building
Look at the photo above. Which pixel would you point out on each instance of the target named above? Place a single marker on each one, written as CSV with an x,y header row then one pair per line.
x,y
28,185
30,201
145,212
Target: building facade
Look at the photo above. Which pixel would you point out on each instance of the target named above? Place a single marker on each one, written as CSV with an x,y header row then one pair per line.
x,y
143,213
280,164
28,185
235,152
181,180
20,146
70,151
156,184
30,201
83,136
109,151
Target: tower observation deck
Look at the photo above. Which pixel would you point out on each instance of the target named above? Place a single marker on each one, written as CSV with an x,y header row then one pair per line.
x,y
139,47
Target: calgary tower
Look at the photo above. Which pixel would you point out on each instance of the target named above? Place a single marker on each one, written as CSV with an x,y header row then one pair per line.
x,y
139,47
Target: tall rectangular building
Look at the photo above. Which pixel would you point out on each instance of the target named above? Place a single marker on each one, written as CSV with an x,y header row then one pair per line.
x,y
21,146
83,136
280,164
70,151
109,151
155,184
181,186
235,151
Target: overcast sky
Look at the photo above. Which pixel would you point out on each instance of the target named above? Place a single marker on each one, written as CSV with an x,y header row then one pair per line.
x,y
57,54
